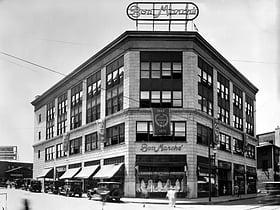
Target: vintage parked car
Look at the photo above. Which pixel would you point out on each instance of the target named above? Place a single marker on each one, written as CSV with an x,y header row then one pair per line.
x,y
35,186
71,188
106,191
53,186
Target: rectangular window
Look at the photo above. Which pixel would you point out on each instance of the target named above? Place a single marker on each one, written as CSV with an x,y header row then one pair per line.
x,y
59,151
76,106
238,146
249,110
144,132
237,108
39,154
91,142
225,142
155,70
223,98
204,135
93,97
161,65
250,151
205,87
49,153
62,114
145,99
114,91
115,135
166,69
145,70
76,146
50,120
155,98
161,98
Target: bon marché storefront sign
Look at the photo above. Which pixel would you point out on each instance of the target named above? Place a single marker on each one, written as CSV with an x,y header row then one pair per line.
x,y
160,148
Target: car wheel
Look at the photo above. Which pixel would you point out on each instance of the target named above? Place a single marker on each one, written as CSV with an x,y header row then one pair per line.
x,y
80,195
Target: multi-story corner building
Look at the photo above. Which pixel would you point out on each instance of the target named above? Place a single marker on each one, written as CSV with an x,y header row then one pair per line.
x,y
105,120
268,156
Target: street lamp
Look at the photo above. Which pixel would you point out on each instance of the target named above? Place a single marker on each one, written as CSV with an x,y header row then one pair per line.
x,y
215,138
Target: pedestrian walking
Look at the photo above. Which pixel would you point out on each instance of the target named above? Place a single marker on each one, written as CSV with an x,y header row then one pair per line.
x,y
236,190
224,190
25,204
171,195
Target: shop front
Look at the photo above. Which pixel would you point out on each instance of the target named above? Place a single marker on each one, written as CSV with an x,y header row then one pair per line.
x,y
59,171
239,177
224,178
155,174
203,177
251,179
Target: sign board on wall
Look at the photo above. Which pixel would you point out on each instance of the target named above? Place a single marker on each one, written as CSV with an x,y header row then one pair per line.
x,y
161,122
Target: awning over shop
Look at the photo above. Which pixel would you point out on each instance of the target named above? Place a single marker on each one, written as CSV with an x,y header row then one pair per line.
x,y
108,171
46,173
86,172
14,169
70,173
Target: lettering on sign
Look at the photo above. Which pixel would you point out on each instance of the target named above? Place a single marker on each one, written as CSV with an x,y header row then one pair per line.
x,y
176,11
161,148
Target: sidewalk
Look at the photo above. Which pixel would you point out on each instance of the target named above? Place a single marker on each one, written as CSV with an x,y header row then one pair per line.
x,y
189,201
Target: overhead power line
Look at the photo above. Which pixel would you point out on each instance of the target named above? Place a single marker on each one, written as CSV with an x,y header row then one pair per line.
x,y
31,63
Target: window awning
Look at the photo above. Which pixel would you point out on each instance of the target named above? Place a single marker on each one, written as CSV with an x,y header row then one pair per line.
x,y
108,171
46,173
86,172
70,173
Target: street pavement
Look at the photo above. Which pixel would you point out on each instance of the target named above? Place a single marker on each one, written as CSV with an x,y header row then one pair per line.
x,y
43,201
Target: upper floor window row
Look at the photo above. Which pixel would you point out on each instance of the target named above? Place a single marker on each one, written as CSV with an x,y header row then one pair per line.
x,y
115,135
115,72
251,151
249,106
94,85
161,65
161,70
222,87
76,94
237,98
75,146
204,135
205,72
144,132
49,153
50,111
161,99
62,104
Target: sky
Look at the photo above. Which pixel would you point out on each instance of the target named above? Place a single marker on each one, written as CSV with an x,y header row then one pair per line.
x,y
61,35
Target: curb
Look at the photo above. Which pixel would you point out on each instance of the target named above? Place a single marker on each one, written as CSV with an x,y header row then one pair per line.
x,y
189,202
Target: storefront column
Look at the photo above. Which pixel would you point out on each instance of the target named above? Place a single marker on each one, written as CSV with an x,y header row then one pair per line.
x,y
233,179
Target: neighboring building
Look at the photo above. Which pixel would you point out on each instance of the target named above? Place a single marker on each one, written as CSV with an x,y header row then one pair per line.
x,y
8,153
14,170
98,123
268,156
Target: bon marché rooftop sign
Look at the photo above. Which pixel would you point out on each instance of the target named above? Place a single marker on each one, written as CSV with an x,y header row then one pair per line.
x,y
162,11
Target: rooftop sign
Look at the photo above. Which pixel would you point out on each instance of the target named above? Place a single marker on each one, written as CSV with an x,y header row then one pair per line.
x,y
162,11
